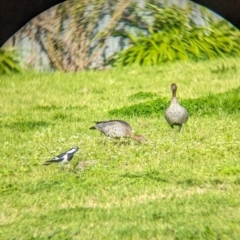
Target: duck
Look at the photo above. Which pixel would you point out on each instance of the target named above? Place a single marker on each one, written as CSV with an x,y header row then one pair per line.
x,y
117,129
176,115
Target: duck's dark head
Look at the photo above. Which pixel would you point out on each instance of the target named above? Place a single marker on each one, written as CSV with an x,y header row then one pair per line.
x,y
173,86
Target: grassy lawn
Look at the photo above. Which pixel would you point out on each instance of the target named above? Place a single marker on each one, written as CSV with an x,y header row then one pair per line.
x,y
176,186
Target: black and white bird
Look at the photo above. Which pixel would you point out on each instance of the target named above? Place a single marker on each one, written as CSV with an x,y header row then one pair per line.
x,y
63,158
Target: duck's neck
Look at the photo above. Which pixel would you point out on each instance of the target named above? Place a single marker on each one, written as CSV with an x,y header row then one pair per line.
x,y
174,93
174,97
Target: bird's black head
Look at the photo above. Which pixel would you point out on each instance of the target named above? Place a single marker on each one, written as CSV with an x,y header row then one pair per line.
x,y
75,148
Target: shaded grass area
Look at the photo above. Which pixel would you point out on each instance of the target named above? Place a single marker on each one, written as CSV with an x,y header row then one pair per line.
x,y
214,104
26,125
145,222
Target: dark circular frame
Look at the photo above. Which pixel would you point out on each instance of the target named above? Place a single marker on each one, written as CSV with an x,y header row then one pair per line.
x,y
14,14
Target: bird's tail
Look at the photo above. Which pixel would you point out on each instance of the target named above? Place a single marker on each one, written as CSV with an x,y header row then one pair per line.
x,y
47,163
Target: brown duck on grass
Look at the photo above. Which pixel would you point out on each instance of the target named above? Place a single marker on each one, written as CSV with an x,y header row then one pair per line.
x,y
176,114
117,129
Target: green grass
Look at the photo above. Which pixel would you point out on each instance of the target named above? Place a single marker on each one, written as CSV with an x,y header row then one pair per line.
x,y
176,186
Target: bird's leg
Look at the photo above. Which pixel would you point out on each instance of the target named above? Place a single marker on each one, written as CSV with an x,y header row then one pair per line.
x,y
116,141
107,142
68,165
124,140
180,128
60,167
121,140
178,125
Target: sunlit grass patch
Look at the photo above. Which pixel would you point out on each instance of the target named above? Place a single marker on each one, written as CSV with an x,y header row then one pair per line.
x,y
175,186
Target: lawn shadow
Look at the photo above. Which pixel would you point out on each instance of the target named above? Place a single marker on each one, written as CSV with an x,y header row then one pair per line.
x,y
212,104
24,126
151,175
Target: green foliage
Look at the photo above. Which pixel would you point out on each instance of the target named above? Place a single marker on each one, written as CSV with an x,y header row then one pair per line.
x,y
9,61
173,36
168,18
228,103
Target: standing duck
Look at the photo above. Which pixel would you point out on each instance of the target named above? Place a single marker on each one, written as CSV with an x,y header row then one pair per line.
x,y
176,114
116,129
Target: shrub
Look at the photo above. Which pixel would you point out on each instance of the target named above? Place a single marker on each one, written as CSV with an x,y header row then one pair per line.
x,y
173,36
9,61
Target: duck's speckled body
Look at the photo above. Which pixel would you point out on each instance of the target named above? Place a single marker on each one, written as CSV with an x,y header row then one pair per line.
x,y
116,129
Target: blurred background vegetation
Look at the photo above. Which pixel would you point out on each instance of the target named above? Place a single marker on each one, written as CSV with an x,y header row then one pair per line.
x,y
77,35
9,61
